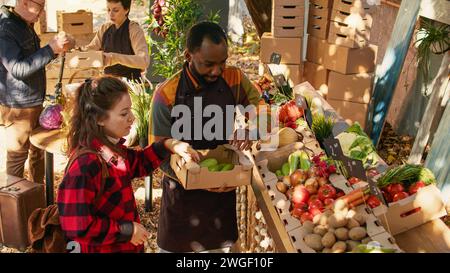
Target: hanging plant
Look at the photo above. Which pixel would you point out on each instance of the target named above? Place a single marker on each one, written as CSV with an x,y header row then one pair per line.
x,y
432,37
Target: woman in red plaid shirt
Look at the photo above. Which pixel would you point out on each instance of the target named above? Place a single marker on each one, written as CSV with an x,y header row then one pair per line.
x,y
110,222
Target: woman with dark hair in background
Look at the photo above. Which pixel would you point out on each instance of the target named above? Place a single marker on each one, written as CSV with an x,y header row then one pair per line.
x,y
125,50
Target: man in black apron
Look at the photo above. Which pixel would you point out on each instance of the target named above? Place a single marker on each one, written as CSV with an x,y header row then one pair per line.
x,y
199,220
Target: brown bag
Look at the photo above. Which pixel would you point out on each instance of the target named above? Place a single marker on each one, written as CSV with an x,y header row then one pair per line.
x,y
44,229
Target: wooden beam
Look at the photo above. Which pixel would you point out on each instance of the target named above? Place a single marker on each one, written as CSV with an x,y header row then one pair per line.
x,y
388,73
439,85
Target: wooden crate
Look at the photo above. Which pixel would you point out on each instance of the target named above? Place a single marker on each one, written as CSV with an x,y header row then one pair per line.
x,y
80,22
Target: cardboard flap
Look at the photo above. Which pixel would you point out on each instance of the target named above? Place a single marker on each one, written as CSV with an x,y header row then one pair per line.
x,y
7,180
244,160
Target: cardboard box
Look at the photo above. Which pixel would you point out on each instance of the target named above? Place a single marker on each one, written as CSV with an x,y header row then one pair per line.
x,y
52,72
415,210
192,176
352,6
350,111
350,60
289,48
287,10
289,2
289,21
353,87
343,35
318,11
288,32
322,3
79,22
41,25
292,72
317,76
355,20
316,49
86,59
318,24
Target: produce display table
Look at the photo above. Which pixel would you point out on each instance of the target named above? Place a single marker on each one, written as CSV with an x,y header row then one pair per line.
x,y
433,236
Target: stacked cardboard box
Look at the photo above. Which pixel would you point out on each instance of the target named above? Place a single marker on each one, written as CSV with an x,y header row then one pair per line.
x,y
80,22
290,50
288,18
351,59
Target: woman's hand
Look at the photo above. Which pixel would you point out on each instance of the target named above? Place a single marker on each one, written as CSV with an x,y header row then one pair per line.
x,y
140,234
183,149
107,59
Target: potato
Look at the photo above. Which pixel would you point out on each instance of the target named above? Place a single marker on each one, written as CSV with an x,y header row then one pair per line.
x,y
328,239
323,220
308,226
328,212
340,206
339,247
351,244
326,250
357,233
351,213
352,223
321,230
366,240
316,219
337,220
314,241
341,234
361,218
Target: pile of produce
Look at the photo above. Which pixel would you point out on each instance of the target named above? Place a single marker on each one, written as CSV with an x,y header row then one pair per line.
x,y
306,184
214,166
357,145
405,180
289,113
338,230
159,10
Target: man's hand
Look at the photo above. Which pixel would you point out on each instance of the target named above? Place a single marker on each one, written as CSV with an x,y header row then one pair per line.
x,y
238,142
107,59
62,43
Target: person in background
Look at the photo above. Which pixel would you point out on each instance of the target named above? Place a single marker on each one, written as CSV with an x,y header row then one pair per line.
x,y
99,211
125,50
23,83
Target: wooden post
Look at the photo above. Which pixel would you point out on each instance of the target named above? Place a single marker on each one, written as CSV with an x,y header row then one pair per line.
x,y
388,73
440,88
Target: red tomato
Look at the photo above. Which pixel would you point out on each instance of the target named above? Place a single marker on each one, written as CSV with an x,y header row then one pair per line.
x,y
399,196
306,217
303,206
328,201
339,194
326,191
373,201
353,180
416,186
315,211
297,213
300,194
315,204
395,188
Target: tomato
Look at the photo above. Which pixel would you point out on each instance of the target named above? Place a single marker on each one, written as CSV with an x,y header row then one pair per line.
x,y
326,191
303,206
339,194
300,194
297,213
306,217
416,186
399,196
328,201
395,188
353,180
373,201
315,211
315,204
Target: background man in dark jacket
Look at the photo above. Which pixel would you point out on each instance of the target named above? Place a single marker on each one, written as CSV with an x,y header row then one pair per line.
x,y
23,82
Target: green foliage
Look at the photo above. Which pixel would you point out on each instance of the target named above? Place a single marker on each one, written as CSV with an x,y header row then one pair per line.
x,y
178,17
322,127
141,96
431,37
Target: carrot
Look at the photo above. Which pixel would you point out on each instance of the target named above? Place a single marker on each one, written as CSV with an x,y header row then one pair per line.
x,y
352,196
358,202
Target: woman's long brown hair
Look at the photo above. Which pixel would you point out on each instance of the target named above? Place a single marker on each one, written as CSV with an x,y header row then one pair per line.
x,y
93,99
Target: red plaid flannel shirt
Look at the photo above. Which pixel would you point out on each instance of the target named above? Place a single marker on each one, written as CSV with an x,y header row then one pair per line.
x,y
105,226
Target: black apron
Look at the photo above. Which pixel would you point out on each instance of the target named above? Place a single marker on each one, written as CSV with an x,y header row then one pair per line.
x,y
118,41
197,220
